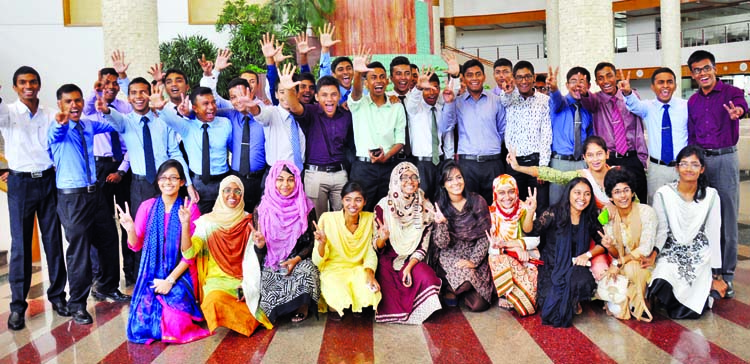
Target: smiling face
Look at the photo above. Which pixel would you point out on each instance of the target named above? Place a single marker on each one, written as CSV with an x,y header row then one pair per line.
x,y
704,73
689,168
430,96
344,73
501,73
525,81
622,196
401,76
575,84
232,195
454,184
72,103
234,95
205,107
328,99
285,183
506,195
251,79
27,87
580,197
409,182
138,97
353,203
664,86
474,78
170,182
595,157
306,92
414,78
376,82
111,88
176,86
606,80
281,96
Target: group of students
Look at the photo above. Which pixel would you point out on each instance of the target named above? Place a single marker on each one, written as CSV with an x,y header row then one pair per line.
x,y
316,196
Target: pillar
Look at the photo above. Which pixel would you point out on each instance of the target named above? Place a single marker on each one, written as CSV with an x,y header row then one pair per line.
x,y
449,30
586,34
131,26
553,37
671,42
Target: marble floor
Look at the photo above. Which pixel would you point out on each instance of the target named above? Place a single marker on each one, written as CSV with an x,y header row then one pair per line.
x,y
449,336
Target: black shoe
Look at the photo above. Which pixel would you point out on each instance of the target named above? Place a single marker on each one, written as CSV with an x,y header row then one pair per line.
x,y
115,295
16,321
730,290
82,317
129,282
61,309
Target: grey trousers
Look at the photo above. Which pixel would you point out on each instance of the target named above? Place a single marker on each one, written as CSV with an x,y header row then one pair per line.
x,y
723,174
659,175
555,190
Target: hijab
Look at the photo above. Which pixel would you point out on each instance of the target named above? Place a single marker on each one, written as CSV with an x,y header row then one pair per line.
x,y
505,220
227,243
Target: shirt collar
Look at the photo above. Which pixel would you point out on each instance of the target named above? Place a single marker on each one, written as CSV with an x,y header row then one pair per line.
x,y
467,95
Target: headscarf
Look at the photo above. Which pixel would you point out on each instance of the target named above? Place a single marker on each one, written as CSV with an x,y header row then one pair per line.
x,y
505,221
405,215
227,243
282,219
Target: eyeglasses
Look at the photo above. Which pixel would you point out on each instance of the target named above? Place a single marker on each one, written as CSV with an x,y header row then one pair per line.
x,y
705,69
686,165
623,191
524,77
236,191
540,89
413,177
173,179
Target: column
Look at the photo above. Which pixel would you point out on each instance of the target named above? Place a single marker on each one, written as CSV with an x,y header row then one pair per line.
x,y
449,30
553,37
586,34
131,26
671,42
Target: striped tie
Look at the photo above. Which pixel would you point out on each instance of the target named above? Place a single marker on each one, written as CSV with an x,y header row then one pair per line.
x,y
621,141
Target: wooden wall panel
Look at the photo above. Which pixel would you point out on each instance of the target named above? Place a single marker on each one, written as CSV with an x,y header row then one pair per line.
x,y
384,26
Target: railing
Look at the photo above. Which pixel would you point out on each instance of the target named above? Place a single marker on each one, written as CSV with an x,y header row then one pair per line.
x,y
512,52
691,37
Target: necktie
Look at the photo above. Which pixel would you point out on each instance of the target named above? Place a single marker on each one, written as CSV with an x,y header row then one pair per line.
x,y
577,131
206,160
666,136
148,151
85,153
345,97
294,139
435,139
621,142
116,145
245,147
407,145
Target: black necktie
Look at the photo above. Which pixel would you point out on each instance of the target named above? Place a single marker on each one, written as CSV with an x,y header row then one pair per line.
x,y
115,141
85,153
148,152
245,147
206,167
577,131
407,144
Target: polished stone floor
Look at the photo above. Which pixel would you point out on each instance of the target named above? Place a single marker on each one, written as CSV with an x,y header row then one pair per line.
x,y
449,336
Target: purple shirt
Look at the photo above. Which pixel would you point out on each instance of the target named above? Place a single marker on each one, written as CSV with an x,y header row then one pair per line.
x,y
709,124
318,127
602,107
103,141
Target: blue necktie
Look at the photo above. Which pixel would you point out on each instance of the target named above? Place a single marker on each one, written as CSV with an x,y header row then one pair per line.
x,y
294,139
85,153
148,152
345,97
206,160
667,152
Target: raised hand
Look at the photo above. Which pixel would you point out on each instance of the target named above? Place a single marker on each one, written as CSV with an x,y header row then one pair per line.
x,y
320,235
302,46
607,241
279,56
552,79
285,77
267,45
511,158
62,117
326,37
507,84
98,85
126,220
453,67
184,107
259,239
383,232
531,201
361,59
157,101
185,211
118,62
222,60
156,72
583,86
494,242
448,94
624,83
423,81
735,112
439,217
101,105
246,100
207,66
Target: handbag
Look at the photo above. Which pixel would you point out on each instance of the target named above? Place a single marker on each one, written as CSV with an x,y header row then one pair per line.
x,y
613,290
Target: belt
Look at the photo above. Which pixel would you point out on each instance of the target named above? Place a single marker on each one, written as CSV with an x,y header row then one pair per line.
x,y
329,168
106,159
249,175
721,151
368,160
527,158
214,177
480,158
614,154
138,177
70,191
428,159
564,157
37,174
401,155
661,162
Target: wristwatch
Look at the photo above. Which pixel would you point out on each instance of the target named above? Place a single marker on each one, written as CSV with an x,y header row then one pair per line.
x,y
615,263
588,254
121,173
170,280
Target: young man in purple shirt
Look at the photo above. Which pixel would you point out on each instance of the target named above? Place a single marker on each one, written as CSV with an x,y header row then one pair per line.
x,y
713,123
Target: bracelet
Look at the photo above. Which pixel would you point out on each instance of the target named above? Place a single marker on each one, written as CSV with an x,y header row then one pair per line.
x,y
588,254
615,263
170,280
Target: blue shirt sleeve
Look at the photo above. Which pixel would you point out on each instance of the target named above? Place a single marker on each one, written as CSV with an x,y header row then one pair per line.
x,y
325,65
271,77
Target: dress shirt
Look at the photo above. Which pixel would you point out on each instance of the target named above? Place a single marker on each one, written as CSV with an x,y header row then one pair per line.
x,y
528,127
26,136
65,148
163,140
709,124
257,140
103,142
211,82
652,112
377,126
600,106
191,130
562,113
276,127
420,125
318,128
481,123
325,70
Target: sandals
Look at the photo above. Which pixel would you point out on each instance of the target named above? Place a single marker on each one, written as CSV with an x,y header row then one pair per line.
x,y
299,317
505,305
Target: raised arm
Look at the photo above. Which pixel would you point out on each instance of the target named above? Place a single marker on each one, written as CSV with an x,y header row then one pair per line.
x,y
361,59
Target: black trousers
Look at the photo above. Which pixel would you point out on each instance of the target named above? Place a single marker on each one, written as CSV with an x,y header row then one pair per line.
x,y
121,191
29,197
374,178
140,190
253,184
524,181
429,177
478,176
634,165
86,227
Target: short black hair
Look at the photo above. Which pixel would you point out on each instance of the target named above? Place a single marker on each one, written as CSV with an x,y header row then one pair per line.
x,y
140,80
238,82
304,76
108,71
353,186
616,175
257,79
523,65
399,61
603,65
413,66
662,70
199,91
174,70
327,81
578,69
435,78
26,70
541,78
66,89
338,60
700,55
471,63
376,64
503,62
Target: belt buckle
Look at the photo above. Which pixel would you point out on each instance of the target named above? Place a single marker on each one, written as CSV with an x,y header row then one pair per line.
x,y
480,158
91,188
36,174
